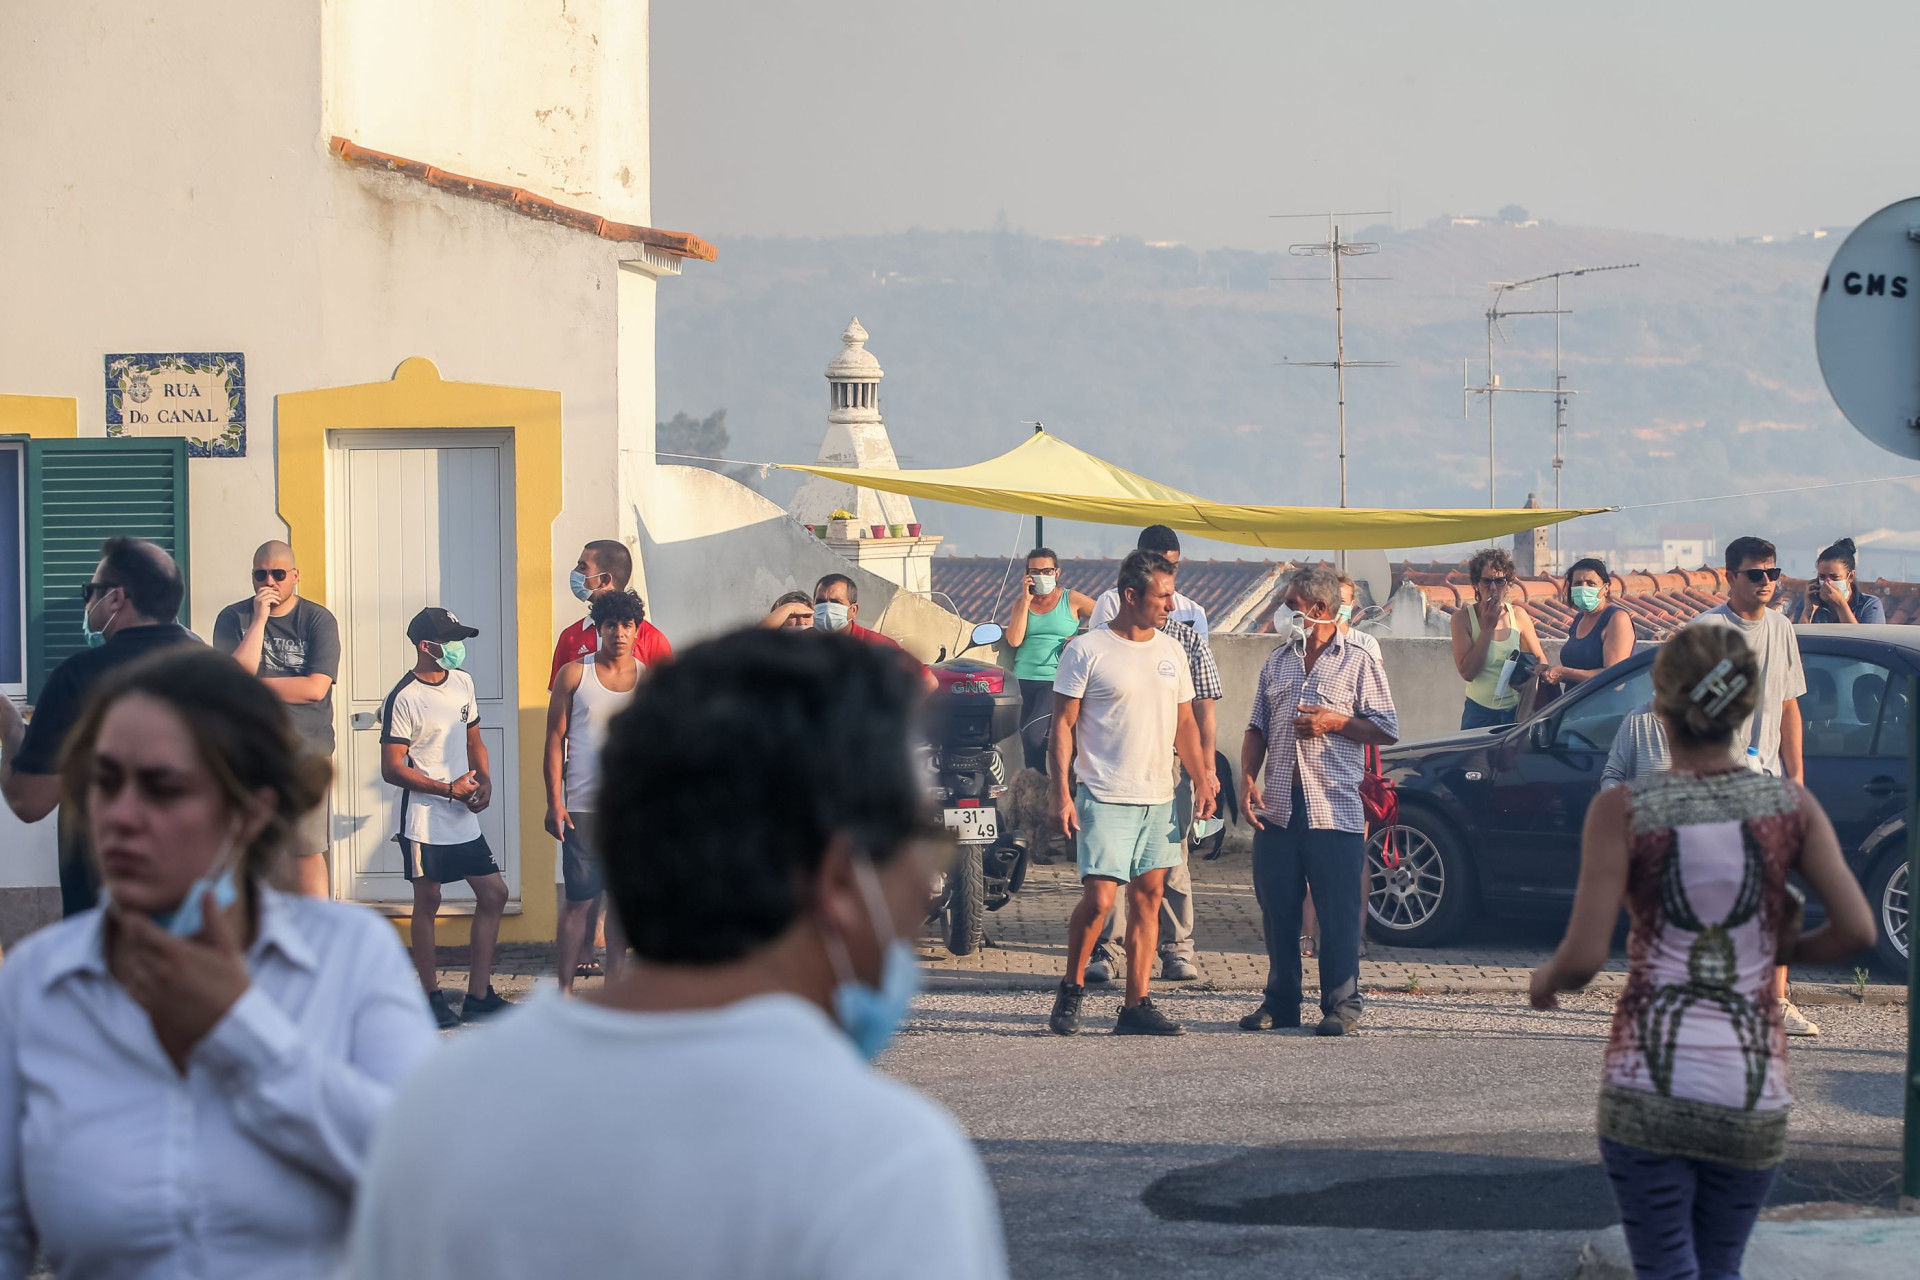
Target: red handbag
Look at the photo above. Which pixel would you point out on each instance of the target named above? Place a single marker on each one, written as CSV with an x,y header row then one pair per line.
x,y
1378,800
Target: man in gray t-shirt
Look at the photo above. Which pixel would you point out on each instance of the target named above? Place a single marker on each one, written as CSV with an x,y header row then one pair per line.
x,y
1639,748
1773,731
293,645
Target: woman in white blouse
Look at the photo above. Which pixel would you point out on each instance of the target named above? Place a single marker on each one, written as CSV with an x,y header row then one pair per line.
x,y
191,1074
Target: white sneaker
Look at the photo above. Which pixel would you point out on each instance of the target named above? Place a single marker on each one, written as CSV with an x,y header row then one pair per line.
x,y
1796,1022
1100,967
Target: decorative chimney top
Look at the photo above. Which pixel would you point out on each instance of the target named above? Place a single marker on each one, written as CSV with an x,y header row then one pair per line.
x,y
856,363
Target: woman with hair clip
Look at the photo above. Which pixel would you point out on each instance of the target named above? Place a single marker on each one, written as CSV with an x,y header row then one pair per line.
x,y
1834,595
1601,634
192,1072
1694,1096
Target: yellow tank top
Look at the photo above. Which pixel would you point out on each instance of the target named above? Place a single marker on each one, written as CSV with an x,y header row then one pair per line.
x,y
1480,688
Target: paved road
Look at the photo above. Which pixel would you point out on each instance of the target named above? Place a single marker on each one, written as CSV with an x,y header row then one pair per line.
x,y
1450,1137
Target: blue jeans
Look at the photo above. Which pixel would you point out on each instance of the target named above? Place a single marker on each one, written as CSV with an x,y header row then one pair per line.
x,y
1684,1219
1286,860
1475,716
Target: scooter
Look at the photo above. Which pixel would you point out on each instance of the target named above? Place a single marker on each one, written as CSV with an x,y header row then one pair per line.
x,y
974,709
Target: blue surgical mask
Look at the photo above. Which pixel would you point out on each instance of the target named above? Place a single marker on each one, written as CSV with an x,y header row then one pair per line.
x,y
452,654
1343,614
187,919
871,1016
1206,828
578,581
830,615
94,638
1585,599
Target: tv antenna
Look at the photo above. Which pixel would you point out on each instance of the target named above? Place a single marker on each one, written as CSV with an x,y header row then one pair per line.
x,y
1336,250
1492,387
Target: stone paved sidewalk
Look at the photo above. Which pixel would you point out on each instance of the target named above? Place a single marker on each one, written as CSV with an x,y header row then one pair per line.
x,y
1027,949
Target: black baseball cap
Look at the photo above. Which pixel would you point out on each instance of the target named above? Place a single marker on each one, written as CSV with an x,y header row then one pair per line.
x,y
439,626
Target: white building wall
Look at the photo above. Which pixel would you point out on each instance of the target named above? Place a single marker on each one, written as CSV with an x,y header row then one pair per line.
x,y
151,210
550,95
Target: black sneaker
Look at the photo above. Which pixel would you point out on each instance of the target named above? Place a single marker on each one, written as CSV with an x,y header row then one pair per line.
x,y
442,1011
1265,1019
1334,1025
1144,1020
1100,967
1065,1020
480,1008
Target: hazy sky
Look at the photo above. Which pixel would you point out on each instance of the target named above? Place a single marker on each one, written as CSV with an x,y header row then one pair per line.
x,y
1193,121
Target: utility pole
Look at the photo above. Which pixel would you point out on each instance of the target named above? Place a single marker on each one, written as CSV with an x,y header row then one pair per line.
x,y
1336,250
1039,522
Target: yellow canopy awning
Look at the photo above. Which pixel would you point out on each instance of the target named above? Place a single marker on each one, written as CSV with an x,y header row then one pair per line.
x,y
1046,476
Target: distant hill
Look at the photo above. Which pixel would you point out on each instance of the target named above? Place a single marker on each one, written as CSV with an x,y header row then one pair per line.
x,y
1696,371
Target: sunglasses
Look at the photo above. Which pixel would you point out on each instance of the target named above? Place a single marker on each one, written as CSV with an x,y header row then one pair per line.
x,y
1757,576
1495,584
88,590
261,575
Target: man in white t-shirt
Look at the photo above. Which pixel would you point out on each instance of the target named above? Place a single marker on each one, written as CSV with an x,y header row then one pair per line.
x,y
430,748
587,694
1123,698
724,1075
1164,543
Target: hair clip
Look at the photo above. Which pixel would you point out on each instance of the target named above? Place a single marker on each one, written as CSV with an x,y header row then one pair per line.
x,y
1718,687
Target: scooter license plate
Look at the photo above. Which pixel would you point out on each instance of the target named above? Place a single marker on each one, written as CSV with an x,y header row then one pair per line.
x,y
973,824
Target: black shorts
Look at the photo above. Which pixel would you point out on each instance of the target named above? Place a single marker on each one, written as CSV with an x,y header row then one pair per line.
x,y
445,863
578,865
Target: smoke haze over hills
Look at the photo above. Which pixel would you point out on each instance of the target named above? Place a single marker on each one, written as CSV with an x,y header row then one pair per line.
x,y
1696,372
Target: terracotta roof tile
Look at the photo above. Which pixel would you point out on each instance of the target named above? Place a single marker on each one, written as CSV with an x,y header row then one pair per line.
x,y
679,244
974,583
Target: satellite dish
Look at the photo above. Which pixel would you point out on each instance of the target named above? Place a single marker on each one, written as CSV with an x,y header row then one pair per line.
x,y
1866,328
1371,572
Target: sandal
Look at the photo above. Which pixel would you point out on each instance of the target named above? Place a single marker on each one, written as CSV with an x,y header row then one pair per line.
x,y
1307,944
589,969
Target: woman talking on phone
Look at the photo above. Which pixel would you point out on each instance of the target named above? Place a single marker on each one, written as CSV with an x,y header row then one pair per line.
x,y
1045,616
191,1073
1485,634
1834,595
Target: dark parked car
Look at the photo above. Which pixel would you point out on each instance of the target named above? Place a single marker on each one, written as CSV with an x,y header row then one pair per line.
x,y
1490,819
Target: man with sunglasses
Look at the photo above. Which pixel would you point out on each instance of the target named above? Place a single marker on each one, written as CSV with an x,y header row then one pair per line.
x,y
1770,739
293,645
127,611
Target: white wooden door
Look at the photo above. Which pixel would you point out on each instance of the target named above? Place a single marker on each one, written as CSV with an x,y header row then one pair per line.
x,y
419,518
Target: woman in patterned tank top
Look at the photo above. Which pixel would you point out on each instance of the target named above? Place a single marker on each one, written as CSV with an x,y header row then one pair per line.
x,y
1694,1098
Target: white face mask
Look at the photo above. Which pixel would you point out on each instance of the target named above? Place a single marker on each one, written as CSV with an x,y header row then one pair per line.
x,y
1044,583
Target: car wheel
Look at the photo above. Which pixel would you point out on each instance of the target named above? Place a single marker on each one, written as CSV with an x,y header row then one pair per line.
x,y
1889,893
1419,882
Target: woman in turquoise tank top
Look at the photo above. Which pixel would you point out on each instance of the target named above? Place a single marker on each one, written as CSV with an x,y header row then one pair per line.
x,y
1045,616
1486,634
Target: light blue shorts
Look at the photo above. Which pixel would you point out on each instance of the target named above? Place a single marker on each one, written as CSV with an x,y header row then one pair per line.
x,y
1125,841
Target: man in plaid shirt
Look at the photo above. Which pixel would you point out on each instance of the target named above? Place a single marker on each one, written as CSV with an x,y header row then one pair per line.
x,y
1320,701
1178,959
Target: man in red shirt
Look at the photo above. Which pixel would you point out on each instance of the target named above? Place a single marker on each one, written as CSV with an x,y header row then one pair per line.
x,y
836,606
605,565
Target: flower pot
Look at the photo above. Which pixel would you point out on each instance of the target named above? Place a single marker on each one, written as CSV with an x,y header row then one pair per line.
x,y
819,531
896,531
879,531
913,531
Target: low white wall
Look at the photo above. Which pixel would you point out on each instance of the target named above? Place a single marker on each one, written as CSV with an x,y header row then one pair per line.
x,y
29,875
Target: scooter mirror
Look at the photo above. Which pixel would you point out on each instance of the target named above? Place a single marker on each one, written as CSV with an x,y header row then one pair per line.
x,y
987,633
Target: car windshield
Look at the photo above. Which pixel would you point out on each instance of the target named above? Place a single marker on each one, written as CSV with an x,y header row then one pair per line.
x,y
1590,722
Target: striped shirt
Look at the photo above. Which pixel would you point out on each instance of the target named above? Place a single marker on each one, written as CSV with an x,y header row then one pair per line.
x,y
1346,678
1206,672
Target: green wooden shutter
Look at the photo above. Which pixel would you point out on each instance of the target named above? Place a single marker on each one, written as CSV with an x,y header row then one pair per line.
x,y
80,493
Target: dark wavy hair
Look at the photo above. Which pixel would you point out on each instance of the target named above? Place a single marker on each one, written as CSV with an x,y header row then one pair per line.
x,y
1593,563
733,769
241,731
617,606
1137,570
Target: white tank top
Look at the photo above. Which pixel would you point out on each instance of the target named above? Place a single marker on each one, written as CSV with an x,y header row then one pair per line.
x,y
594,706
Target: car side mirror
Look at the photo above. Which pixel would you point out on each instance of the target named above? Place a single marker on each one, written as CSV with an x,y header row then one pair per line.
x,y
1540,733
986,633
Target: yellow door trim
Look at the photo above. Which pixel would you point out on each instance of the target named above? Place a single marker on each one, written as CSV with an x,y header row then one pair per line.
x,y
42,417
418,398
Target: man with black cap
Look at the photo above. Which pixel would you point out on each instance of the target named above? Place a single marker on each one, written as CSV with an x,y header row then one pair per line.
x,y
430,748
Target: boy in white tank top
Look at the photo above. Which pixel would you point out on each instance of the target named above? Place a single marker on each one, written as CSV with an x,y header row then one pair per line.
x,y
587,694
